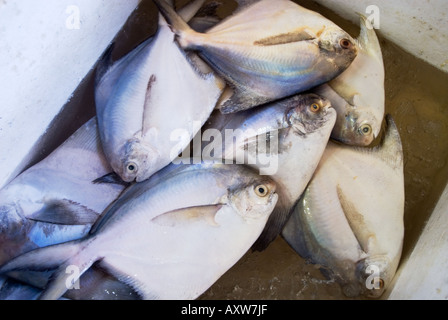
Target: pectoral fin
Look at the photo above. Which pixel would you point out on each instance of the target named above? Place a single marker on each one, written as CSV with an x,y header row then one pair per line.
x,y
275,224
296,36
355,220
241,99
181,217
112,177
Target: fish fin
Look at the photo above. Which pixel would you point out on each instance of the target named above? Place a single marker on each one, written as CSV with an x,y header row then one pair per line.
x,y
241,99
295,231
177,24
180,217
210,9
188,11
66,212
300,35
56,257
367,39
355,220
146,118
112,177
275,224
104,63
138,288
41,259
86,137
390,149
243,4
17,290
206,18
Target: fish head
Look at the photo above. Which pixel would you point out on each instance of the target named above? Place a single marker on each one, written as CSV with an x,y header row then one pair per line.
x,y
356,127
338,48
255,200
309,113
358,93
138,162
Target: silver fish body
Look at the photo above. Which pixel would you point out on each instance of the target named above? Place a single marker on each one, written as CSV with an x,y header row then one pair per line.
x,y
284,140
146,96
44,205
55,201
358,93
268,50
169,237
350,218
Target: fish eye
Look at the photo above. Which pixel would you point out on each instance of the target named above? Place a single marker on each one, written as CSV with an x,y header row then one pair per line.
x,y
131,167
380,284
365,129
345,43
315,107
261,190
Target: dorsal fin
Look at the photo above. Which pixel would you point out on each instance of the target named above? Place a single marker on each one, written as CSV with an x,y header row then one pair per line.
x,y
367,39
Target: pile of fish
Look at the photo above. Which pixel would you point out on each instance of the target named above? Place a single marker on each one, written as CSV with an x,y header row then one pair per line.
x,y
211,138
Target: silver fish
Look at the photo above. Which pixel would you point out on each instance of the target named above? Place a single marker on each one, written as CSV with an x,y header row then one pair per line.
x,y
358,93
350,218
147,95
169,237
267,51
284,139
44,205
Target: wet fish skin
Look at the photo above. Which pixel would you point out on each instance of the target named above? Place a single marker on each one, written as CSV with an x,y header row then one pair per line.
x,y
135,96
246,51
43,204
358,93
174,224
350,218
297,134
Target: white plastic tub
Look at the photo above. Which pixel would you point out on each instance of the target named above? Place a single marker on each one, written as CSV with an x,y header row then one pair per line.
x,y
49,51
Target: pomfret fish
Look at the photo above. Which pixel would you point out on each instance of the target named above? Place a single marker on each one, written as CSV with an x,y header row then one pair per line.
x,y
358,93
168,237
350,218
267,51
147,95
55,200
284,139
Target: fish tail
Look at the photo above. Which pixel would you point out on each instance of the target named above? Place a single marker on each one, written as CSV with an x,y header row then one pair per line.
x,y
183,31
69,259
